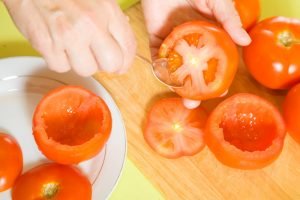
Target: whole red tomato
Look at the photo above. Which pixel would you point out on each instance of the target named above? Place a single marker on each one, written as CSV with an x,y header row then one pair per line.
x,y
52,181
11,161
273,56
249,11
291,110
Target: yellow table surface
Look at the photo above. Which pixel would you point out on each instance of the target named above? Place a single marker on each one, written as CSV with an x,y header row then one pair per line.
x,y
197,177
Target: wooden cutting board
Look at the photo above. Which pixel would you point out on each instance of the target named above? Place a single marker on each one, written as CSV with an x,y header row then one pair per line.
x,y
200,176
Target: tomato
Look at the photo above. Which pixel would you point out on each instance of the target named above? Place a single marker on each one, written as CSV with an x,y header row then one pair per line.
x,y
173,130
11,161
71,124
52,181
273,56
245,131
291,112
202,57
249,12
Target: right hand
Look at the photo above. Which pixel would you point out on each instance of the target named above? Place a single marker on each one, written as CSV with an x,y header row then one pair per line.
x,y
83,35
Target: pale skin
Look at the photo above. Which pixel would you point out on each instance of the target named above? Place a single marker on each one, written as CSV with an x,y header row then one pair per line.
x,y
94,35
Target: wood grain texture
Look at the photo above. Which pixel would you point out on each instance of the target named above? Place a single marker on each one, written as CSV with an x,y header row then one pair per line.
x,y
200,176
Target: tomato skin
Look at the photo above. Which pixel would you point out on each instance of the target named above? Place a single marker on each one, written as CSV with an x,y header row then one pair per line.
x,y
222,40
249,12
291,110
272,57
174,131
262,114
11,160
95,109
70,184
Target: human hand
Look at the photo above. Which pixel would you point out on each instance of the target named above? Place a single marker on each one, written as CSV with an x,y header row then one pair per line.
x,y
83,35
162,16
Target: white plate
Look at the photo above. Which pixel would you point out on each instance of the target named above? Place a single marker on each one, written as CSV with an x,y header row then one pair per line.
x,y
23,82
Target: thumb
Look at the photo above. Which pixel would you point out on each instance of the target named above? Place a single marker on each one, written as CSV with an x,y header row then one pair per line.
x,y
225,12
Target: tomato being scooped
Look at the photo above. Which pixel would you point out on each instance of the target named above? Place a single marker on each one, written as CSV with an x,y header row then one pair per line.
x,y
172,130
71,124
11,161
201,57
52,181
245,131
273,56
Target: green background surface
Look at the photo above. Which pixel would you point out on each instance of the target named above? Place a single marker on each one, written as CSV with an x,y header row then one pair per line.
x,y
132,185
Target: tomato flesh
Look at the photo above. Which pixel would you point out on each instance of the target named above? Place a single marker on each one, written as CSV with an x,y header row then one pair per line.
x,y
71,124
201,57
173,130
246,132
11,161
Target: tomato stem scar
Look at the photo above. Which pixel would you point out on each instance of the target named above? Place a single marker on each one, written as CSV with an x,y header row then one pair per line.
x,y
49,190
287,39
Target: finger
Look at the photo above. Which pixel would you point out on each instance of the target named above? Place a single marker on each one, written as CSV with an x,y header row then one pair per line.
x,y
191,104
82,60
121,31
57,60
107,53
226,14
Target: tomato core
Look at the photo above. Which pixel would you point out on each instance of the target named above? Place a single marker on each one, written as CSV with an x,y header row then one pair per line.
x,y
49,190
248,128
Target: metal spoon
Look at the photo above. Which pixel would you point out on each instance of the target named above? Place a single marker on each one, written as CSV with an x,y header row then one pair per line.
x,y
160,71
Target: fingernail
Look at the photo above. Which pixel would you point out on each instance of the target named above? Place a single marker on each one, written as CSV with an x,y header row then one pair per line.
x,y
242,37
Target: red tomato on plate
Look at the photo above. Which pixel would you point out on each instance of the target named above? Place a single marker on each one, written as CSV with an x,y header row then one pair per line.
x,y
291,112
11,161
71,124
245,131
273,56
173,130
249,11
52,181
202,57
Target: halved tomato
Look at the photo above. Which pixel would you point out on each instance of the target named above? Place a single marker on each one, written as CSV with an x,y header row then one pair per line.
x,y
245,131
291,112
202,57
71,124
172,130
52,181
249,11
11,161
